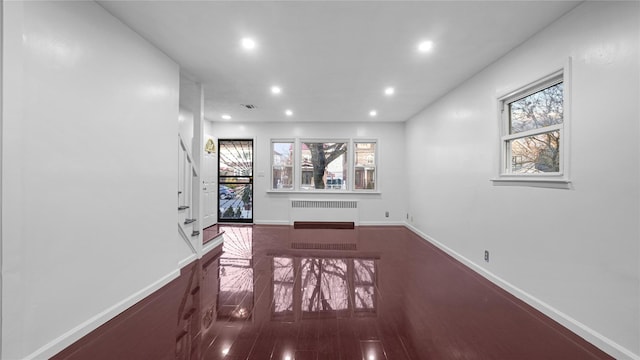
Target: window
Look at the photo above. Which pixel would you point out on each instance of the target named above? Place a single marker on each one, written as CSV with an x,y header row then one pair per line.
x,y
282,164
364,165
328,165
323,165
533,133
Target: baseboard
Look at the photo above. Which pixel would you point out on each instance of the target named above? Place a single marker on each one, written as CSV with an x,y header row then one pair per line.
x,y
381,223
272,222
75,334
186,261
360,223
215,242
602,342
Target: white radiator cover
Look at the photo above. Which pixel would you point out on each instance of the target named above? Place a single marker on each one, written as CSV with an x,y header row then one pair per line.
x,y
323,210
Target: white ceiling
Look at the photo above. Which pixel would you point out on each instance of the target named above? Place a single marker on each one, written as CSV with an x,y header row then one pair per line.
x,y
332,59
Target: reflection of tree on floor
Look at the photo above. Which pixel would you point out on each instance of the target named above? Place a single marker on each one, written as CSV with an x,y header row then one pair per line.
x,y
326,285
327,279
364,282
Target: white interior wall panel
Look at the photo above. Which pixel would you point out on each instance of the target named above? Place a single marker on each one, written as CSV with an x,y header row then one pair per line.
x,y
90,176
573,253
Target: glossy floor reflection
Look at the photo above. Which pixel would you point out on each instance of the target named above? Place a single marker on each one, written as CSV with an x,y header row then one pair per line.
x,y
297,294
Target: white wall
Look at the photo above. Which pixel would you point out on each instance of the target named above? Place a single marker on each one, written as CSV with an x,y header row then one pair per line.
x,y
185,127
273,208
89,173
572,253
1,116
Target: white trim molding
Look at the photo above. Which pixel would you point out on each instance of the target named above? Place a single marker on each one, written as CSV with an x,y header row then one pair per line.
x,y
218,240
533,182
272,222
560,179
592,336
381,223
75,334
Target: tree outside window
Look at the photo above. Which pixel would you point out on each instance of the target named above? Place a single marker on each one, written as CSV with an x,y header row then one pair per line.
x,y
539,152
533,129
324,165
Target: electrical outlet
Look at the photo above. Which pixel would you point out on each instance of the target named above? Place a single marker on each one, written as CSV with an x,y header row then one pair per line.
x,y
486,255
386,214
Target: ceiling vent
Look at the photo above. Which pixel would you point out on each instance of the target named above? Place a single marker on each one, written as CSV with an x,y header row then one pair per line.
x,y
248,106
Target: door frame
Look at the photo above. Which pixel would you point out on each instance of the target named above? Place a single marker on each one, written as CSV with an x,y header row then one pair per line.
x,y
221,181
209,177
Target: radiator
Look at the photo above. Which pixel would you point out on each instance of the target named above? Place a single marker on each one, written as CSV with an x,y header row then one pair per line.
x,y
324,210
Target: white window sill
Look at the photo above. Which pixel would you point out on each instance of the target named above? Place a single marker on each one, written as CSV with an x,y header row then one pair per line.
x,y
532,181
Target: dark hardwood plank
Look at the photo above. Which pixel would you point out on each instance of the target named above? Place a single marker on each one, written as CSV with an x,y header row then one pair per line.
x,y
426,305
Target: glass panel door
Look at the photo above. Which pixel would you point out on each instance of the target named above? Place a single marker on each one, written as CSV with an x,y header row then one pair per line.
x,y
235,181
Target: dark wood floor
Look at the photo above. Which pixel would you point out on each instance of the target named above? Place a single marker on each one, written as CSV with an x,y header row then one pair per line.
x,y
391,296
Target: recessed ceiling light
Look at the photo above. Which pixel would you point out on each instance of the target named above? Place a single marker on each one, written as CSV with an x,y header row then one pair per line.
x,y
389,91
248,43
425,46
226,117
288,112
373,113
276,90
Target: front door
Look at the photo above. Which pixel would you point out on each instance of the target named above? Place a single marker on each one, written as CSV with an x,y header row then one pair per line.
x,y
235,180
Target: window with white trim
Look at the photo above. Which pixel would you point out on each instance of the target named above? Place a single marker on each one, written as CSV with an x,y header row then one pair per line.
x,y
323,164
364,165
327,165
533,131
282,155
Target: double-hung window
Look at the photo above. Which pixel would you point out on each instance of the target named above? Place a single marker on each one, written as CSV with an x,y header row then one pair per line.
x,y
364,165
323,165
282,155
533,137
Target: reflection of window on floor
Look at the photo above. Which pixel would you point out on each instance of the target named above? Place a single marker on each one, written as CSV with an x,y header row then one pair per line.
x,y
235,295
364,284
323,285
235,298
282,287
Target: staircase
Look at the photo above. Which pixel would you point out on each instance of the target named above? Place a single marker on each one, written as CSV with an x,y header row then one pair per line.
x,y
188,226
